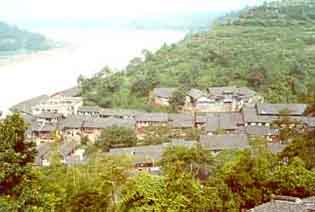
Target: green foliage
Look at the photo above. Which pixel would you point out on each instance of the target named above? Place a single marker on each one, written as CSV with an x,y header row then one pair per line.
x,y
268,48
16,155
178,99
194,160
16,158
302,146
116,137
156,135
90,187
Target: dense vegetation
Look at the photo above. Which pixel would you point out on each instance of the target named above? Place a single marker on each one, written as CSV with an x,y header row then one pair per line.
x,y
13,39
191,180
270,48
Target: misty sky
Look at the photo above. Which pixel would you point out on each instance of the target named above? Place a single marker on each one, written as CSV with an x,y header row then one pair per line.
x,y
30,10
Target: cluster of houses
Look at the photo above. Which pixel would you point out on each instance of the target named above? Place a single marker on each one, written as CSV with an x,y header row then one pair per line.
x,y
227,117
214,99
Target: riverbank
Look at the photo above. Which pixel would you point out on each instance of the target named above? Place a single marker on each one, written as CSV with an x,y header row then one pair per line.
x,y
31,75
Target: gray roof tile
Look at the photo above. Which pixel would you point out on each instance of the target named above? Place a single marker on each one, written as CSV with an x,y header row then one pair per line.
x,y
224,142
163,92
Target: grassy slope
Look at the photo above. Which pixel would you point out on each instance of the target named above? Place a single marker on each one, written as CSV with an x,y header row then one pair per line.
x,y
272,44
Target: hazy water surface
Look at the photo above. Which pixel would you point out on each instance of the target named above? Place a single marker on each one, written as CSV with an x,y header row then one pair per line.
x,y
88,51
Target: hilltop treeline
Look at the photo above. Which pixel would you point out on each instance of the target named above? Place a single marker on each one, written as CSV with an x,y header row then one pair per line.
x,y
270,48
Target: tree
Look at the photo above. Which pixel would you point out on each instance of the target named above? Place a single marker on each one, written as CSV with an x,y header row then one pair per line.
x,y
302,146
16,158
156,135
142,193
178,99
116,137
196,161
90,187
16,155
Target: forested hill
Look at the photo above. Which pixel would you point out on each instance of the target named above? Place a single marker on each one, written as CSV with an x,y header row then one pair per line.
x,y
14,39
270,48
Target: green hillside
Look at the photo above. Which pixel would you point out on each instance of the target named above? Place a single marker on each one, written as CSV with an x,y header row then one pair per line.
x,y
270,48
13,39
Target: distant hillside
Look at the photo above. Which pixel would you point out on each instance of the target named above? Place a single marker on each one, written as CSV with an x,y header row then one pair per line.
x,y
14,39
270,48
189,22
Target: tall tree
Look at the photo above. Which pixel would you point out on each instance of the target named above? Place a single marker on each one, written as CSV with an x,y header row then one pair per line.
x,y
16,158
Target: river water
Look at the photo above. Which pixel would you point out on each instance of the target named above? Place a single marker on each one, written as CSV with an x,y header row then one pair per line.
x,y
87,51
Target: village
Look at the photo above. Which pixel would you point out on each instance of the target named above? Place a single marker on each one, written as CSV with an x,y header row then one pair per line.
x,y
226,118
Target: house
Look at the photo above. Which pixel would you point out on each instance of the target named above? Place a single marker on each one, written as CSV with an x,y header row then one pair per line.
x,y
151,119
227,123
262,131
252,118
43,154
267,114
196,100
221,99
71,127
218,143
118,113
286,204
232,99
276,148
145,158
92,127
70,151
58,104
162,96
281,109
43,132
92,111
53,118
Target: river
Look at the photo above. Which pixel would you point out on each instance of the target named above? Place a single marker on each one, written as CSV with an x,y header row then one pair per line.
x,y
87,51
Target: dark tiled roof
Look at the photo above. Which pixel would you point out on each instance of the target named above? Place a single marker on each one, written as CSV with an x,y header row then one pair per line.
x,y
276,148
195,93
72,122
289,205
152,117
89,109
276,109
101,123
164,92
43,127
43,151
261,131
68,147
250,116
140,154
218,91
149,153
225,121
118,112
96,123
49,115
224,142
232,90
181,120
